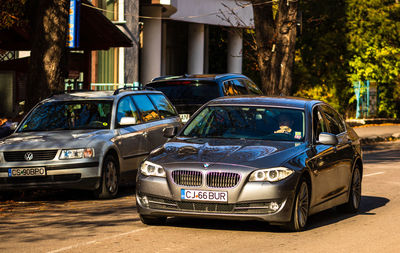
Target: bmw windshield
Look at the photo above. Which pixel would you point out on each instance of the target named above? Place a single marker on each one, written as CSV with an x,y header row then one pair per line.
x,y
247,122
68,115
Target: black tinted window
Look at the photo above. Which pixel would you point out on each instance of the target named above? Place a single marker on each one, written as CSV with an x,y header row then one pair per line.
x,y
318,123
335,123
188,92
146,108
247,122
164,107
126,108
252,87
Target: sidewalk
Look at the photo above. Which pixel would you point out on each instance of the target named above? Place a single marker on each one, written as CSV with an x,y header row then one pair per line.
x,y
377,133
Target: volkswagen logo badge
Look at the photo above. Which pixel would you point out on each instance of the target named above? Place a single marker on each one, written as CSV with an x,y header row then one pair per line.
x,y
206,165
28,156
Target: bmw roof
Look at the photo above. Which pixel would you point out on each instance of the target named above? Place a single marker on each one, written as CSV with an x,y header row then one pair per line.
x,y
294,102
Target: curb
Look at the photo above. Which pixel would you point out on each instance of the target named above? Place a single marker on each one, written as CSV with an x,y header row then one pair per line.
x,y
374,139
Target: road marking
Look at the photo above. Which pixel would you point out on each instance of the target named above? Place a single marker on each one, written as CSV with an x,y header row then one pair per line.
x,y
374,174
99,240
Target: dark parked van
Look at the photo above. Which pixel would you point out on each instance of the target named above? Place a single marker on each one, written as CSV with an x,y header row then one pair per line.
x,y
189,92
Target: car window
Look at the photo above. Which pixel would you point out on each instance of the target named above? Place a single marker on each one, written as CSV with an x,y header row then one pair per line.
x,y
187,92
68,115
252,87
240,87
235,122
230,89
318,123
234,88
335,123
164,107
126,108
146,108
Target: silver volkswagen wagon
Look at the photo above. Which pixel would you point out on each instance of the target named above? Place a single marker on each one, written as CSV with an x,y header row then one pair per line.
x,y
86,140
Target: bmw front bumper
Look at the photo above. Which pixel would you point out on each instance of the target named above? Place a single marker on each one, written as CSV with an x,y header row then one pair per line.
x,y
271,202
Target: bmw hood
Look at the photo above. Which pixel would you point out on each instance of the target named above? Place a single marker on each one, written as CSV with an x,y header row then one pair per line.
x,y
253,153
50,140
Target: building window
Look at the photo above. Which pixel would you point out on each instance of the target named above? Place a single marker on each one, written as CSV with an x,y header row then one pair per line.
x,y
105,73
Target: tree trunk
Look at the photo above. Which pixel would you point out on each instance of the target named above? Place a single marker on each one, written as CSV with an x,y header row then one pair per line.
x,y
275,39
48,61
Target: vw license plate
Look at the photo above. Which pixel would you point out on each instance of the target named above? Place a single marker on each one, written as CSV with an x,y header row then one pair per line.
x,y
204,195
27,172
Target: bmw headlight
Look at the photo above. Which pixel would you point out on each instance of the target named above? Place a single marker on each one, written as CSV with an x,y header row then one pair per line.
x,y
76,153
151,169
270,175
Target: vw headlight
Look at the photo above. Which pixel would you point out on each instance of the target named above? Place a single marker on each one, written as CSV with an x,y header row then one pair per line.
x,y
270,175
151,169
76,153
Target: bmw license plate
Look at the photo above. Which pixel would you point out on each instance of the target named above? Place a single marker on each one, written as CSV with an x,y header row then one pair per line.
x,y
215,196
27,172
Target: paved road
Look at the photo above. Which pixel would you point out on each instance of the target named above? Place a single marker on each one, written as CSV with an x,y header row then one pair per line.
x,y
68,221
383,130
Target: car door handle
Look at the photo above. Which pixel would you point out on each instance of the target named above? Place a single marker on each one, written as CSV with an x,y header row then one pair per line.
x,y
144,134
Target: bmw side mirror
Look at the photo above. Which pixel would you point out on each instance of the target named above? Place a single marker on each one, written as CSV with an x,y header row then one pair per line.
x,y
127,121
327,139
169,132
13,126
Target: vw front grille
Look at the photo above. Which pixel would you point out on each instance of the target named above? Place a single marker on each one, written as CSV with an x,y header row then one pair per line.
x,y
37,155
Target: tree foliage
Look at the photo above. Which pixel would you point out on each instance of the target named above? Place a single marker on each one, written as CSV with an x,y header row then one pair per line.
x,y
374,48
344,41
321,66
12,13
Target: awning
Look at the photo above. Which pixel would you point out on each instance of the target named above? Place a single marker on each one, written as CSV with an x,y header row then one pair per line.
x,y
97,33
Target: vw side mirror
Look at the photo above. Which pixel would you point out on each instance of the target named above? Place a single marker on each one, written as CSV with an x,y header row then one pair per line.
x,y
127,121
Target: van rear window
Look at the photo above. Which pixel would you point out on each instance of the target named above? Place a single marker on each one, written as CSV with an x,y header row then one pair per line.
x,y
187,92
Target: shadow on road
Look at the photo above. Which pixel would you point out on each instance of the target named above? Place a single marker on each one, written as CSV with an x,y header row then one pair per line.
x,y
325,218
382,152
58,195
34,216
331,216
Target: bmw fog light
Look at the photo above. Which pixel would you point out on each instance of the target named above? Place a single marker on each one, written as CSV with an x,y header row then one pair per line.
x,y
144,201
274,206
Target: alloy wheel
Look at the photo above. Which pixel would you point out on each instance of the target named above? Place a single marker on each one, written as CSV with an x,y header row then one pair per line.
x,y
111,177
302,205
356,188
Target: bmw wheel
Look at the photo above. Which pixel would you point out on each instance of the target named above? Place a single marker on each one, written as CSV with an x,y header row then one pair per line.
x,y
300,208
355,193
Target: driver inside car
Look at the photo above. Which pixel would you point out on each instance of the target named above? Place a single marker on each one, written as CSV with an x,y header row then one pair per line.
x,y
285,124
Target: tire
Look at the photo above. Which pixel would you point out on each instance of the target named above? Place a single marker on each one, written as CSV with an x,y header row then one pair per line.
x,y
153,220
300,208
109,179
354,201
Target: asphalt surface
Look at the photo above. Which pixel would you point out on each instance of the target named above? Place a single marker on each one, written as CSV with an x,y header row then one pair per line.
x,y
71,221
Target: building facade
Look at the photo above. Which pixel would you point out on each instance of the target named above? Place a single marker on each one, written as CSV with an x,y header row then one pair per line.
x,y
170,37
